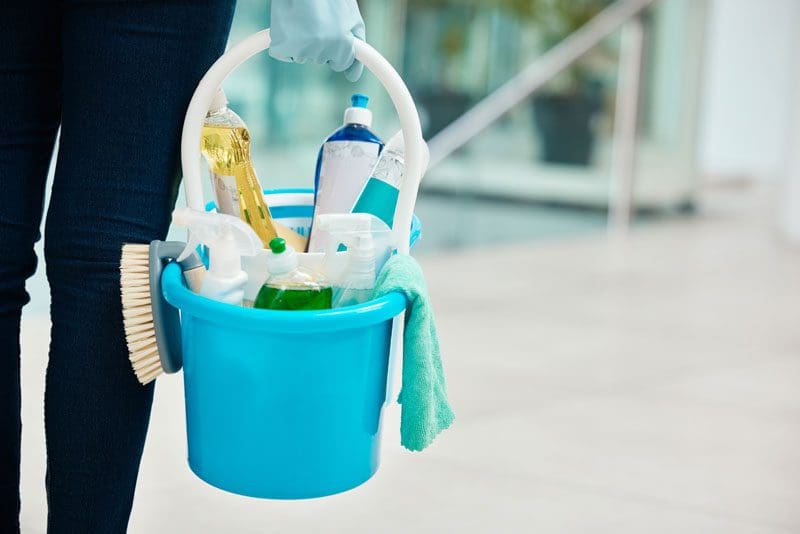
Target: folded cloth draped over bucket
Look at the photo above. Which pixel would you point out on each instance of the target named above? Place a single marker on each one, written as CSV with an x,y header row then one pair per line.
x,y
425,410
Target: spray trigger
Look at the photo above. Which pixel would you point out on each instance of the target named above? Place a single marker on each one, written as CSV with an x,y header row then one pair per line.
x,y
191,245
228,237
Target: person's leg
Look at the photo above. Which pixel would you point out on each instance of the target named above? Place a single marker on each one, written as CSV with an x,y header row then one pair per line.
x,y
130,69
30,92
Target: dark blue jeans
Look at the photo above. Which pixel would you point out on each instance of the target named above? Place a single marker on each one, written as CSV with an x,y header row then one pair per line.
x,y
116,77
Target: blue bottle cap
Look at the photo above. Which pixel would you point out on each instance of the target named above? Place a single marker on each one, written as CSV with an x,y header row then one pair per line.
x,y
359,100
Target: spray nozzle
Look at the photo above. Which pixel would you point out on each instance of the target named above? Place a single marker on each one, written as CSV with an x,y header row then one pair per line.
x,y
345,222
344,228
354,231
227,237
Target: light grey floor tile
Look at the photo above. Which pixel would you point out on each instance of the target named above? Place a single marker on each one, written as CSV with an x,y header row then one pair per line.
x,y
682,455
767,387
33,360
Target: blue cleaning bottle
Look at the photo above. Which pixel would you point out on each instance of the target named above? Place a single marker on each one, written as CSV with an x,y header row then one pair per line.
x,y
345,162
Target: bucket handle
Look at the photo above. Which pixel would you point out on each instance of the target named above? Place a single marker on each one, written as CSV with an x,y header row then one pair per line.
x,y
372,60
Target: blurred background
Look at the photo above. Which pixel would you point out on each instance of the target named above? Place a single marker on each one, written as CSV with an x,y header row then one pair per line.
x,y
542,169
611,223
712,88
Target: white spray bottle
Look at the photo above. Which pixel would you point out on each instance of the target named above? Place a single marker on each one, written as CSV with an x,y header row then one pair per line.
x,y
354,279
228,238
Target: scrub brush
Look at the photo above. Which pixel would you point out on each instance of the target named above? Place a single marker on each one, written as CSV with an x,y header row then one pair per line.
x,y
152,326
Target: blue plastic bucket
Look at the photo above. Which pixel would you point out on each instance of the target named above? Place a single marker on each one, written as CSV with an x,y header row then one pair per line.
x,y
283,405
288,404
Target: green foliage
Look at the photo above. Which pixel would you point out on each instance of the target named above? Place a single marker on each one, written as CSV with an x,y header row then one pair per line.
x,y
557,19
554,20
566,15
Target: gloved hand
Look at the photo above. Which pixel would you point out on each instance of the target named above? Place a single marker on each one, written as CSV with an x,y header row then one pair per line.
x,y
321,31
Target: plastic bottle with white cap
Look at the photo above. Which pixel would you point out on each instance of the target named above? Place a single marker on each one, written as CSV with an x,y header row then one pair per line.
x,y
345,161
290,286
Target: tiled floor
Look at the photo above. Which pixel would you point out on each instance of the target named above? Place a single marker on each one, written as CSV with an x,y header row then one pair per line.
x,y
644,386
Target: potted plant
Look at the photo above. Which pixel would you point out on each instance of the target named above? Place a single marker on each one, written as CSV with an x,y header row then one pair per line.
x,y
564,110
440,26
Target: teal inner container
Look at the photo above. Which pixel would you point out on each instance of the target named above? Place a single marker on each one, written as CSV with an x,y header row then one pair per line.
x,y
283,405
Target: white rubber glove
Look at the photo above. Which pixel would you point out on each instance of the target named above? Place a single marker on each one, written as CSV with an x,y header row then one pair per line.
x,y
319,31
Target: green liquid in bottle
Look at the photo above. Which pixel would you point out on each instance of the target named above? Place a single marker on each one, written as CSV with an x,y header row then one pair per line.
x,y
285,298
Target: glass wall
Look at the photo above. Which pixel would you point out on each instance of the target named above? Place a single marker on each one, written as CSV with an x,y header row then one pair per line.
x,y
553,150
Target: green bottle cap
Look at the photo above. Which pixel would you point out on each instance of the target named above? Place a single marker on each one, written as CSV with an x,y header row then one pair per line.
x,y
277,245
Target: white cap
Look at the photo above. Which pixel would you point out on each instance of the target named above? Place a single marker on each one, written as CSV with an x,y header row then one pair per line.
x,y
219,101
281,258
397,144
358,113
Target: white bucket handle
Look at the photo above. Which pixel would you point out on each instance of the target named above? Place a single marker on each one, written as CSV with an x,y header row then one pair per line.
x,y
372,60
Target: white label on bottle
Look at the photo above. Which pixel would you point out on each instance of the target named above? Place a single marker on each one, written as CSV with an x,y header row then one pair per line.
x,y
346,166
226,194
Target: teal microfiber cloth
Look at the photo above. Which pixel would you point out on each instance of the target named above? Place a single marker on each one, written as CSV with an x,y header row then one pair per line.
x,y
425,411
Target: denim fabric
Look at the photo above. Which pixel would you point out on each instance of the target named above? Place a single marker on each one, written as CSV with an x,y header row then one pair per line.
x,y
116,77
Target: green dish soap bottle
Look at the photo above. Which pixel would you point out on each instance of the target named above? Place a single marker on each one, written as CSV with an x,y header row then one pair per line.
x,y
289,286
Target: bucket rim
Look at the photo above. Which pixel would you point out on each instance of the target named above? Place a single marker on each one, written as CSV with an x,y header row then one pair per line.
x,y
298,192
181,297
307,196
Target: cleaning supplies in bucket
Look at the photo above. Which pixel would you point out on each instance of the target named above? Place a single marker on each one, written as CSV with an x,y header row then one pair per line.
x,y
290,286
226,146
227,239
344,164
290,405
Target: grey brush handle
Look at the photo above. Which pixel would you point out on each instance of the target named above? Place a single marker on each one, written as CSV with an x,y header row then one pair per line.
x,y
166,319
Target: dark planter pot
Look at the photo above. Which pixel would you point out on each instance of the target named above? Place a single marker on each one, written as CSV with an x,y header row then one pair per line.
x,y
442,108
565,126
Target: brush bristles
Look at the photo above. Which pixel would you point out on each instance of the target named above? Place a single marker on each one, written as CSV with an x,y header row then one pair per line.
x,y
137,312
